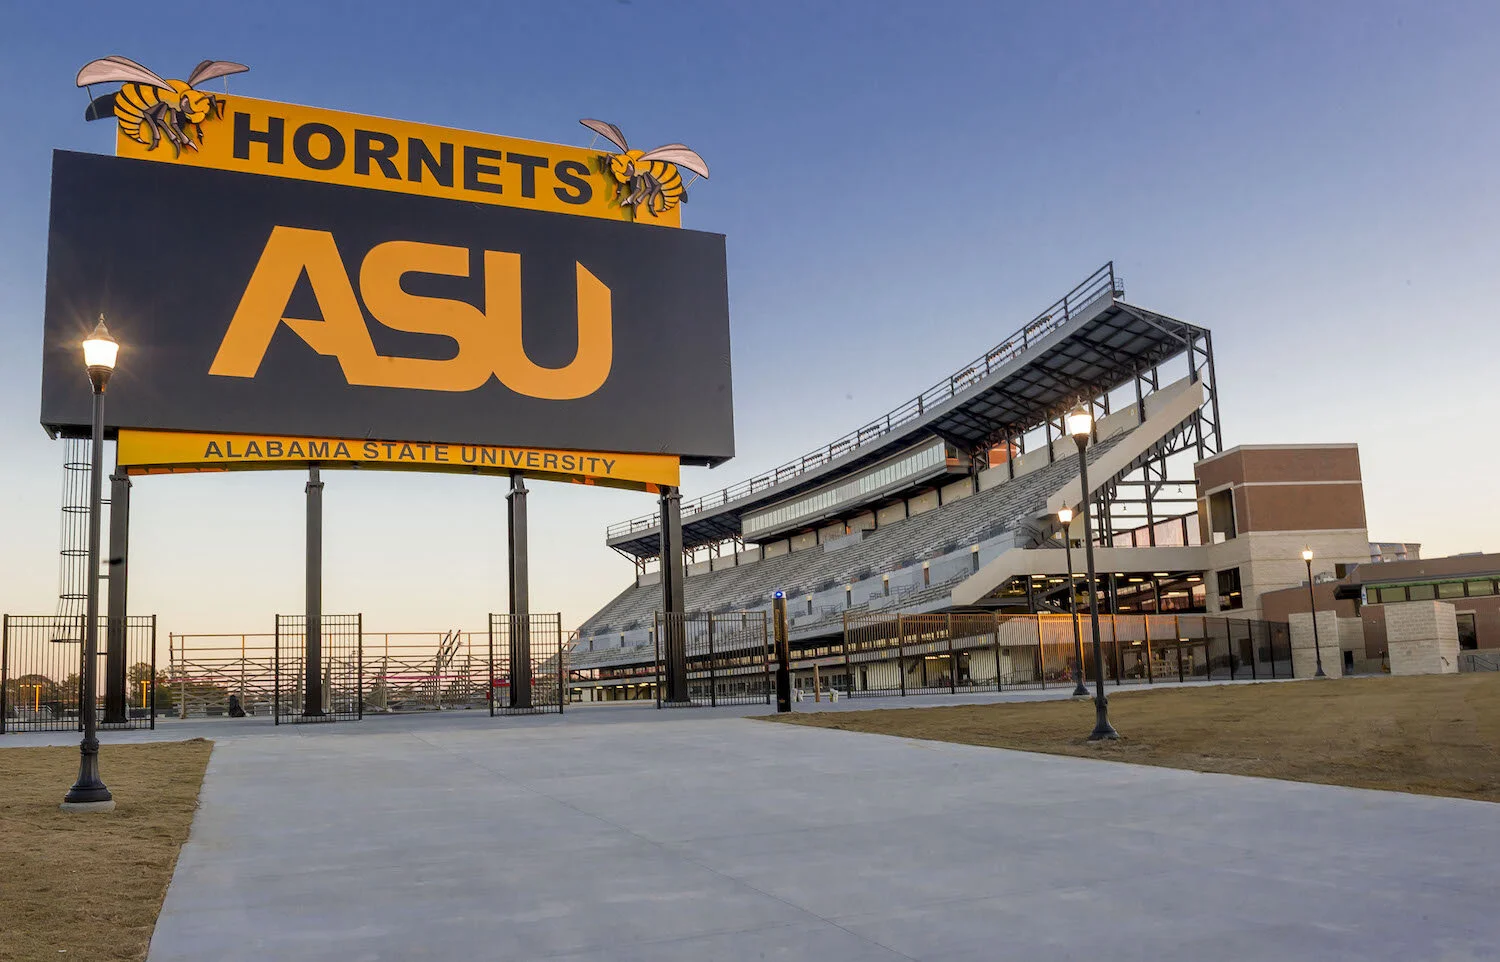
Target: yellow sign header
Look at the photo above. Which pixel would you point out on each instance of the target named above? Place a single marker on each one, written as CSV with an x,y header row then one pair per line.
x,y
333,147
162,452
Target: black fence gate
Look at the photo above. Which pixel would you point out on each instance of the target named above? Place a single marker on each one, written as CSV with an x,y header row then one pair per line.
x,y
41,673
341,675
528,671
728,656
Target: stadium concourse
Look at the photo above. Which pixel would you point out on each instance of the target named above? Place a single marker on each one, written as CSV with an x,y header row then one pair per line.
x,y
924,551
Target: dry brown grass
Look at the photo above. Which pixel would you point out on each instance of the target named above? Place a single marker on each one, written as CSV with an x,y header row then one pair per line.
x,y
90,886
1433,735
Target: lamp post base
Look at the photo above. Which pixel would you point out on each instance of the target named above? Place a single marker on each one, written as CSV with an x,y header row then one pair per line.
x,y
1103,730
89,789
81,807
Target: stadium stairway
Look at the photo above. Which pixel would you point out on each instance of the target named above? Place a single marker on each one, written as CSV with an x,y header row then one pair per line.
x,y
1171,410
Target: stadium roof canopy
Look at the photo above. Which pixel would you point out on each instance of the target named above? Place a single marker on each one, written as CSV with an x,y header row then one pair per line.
x,y
1087,343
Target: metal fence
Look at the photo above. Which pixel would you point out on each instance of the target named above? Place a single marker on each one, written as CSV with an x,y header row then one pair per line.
x,y
41,673
402,672
341,681
728,656
928,653
527,665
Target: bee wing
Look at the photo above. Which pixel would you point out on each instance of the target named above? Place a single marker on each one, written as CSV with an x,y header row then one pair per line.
x,y
210,69
680,155
118,69
608,131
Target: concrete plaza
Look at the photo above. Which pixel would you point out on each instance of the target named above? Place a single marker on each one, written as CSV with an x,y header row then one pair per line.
x,y
624,833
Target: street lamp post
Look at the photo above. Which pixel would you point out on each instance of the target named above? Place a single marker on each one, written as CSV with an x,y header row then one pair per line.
x,y
1080,690
1312,607
1080,424
89,793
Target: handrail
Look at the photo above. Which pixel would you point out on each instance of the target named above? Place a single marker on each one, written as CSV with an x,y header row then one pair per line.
x,y
1056,315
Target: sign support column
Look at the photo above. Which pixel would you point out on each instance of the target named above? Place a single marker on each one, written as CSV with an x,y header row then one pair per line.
x,y
672,605
312,675
116,694
519,636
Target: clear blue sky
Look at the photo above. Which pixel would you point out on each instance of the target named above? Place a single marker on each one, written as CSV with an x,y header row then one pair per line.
x,y
901,184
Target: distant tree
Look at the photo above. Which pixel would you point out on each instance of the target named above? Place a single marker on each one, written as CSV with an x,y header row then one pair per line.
x,y
29,691
138,674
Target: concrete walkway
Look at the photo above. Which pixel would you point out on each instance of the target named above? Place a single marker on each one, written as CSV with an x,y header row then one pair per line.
x,y
625,833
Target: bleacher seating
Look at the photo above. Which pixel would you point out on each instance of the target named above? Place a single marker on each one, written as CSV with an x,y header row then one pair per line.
x,y
995,520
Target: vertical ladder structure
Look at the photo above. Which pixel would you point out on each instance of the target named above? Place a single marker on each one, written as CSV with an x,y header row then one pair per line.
x,y
73,562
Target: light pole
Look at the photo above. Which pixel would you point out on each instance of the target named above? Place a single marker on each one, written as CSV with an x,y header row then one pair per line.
x,y
89,793
1312,607
1080,690
1080,424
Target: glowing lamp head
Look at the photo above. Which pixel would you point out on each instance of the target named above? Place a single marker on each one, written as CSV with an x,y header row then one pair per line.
x,y
779,595
1065,515
1306,554
1079,422
99,353
99,349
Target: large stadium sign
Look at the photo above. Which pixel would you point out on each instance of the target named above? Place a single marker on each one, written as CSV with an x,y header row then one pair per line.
x,y
303,288
289,272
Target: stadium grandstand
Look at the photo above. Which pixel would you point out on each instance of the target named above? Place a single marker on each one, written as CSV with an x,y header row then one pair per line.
x,y
948,506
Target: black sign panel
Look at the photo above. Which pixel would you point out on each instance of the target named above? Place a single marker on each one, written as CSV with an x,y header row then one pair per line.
x,y
255,304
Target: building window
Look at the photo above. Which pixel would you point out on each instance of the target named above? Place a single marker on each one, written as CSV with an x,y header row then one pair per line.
x,y
1229,589
926,574
1451,589
1478,588
1421,592
1221,515
1468,636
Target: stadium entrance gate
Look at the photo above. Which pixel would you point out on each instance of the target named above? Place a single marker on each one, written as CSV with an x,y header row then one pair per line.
x,y
528,674
728,656
329,686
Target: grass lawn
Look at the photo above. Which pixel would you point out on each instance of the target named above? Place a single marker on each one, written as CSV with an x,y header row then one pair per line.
x,y
1431,734
90,886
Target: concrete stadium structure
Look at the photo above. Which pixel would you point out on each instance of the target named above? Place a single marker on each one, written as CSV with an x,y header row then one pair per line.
x,y
949,505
